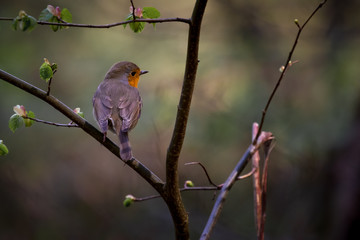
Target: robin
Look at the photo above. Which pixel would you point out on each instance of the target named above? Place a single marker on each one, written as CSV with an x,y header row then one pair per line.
x,y
117,103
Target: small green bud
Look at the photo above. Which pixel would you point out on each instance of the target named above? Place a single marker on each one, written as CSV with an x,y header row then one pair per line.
x,y
189,183
129,199
3,148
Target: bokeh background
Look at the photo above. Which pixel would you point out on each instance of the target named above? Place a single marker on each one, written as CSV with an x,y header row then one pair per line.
x,y
58,183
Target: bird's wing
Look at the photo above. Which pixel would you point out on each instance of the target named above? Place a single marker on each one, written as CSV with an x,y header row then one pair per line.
x,y
129,107
102,106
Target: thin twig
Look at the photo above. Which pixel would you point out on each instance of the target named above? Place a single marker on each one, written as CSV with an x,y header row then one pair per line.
x,y
247,174
133,9
52,123
203,167
49,84
48,91
185,189
156,20
286,65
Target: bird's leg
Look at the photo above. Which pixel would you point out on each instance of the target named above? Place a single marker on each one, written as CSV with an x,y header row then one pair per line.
x,y
104,137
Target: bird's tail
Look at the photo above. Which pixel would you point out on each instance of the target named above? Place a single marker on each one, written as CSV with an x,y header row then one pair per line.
x,y
125,148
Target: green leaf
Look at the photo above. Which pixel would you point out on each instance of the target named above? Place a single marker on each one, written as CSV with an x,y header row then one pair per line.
x,y
150,12
24,23
66,15
31,23
15,23
3,149
29,122
45,15
55,20
46,73
129,17
137,27
54,67
15,122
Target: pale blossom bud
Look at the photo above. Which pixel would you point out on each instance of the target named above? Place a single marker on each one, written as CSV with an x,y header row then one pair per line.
x,y
20,110
51,9
138,12
57,12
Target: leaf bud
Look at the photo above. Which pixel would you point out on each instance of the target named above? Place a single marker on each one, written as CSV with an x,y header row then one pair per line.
x,y
129,199
189,183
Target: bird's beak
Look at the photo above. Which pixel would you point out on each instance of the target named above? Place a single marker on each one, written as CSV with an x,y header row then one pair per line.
x,y
143,72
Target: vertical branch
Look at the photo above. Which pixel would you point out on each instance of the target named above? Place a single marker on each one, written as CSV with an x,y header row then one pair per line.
x,y
172,192
48,90
133,9
258,207
268,146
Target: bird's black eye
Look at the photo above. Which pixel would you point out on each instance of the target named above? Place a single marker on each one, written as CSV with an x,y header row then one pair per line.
x,y
133,73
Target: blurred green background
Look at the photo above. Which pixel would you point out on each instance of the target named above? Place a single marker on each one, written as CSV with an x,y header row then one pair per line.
x,y
57,183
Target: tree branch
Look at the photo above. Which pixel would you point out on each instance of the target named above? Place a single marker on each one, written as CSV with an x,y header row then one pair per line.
x,y
185,189
172,192
286,66
149,176
206,173
215,213
79,25
52,123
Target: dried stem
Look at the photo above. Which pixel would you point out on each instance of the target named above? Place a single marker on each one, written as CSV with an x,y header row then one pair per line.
x,y
258,203
249,174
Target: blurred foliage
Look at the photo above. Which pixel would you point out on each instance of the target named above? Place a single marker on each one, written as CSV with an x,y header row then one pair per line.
x,y
57,183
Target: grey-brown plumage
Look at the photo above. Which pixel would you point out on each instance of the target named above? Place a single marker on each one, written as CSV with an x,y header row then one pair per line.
x,y
117,103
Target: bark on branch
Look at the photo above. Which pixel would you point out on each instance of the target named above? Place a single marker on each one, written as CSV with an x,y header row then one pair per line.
x,y
172,191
